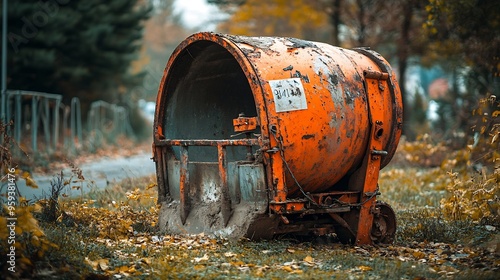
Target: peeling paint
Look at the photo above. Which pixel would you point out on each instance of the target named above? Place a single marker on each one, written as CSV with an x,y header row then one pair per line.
x,y
317,120
334,79
297,74
348,97
298,43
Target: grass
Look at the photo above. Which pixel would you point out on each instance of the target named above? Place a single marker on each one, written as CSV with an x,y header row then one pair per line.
x,y
112,234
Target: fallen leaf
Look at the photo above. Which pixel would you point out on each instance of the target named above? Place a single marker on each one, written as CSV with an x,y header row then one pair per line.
x,y
204,258
199,267
103,264
418,255
309,260
364,268
146,261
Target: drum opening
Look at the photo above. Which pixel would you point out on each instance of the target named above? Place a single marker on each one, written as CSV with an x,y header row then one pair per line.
x,y
206,89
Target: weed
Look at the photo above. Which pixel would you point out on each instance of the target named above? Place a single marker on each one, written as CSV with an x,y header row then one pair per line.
x,y
429,225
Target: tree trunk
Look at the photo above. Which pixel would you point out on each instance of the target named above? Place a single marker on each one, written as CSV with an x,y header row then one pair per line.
x,y
335,20
362,26
402,54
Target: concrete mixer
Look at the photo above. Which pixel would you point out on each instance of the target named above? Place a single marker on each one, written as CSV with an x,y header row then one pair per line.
x,y
262,136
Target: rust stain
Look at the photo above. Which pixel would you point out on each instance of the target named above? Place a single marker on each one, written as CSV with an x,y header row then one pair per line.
x,y
346,93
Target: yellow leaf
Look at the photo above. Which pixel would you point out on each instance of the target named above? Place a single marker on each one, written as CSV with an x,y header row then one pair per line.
x,y
40,253
199,267
25,260
418,254
31,183
37,208
103,264
238,263
494,138
146,261
35,241
93,264
288,268
18,230
38,233
309,259
364,268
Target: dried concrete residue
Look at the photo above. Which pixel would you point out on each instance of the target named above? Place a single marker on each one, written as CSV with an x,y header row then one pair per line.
x,y
298,43
245,221
263,44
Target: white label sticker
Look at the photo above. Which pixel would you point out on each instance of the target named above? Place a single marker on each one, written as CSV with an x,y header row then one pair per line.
x,y
288,95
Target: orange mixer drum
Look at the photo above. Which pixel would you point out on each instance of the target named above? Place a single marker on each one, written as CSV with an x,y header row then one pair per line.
x,y
309,101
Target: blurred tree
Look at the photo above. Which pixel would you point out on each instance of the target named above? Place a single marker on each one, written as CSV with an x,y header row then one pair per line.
x,y
228,6
162,33
465,37
335,21
293,18
418,122
394,29
74,48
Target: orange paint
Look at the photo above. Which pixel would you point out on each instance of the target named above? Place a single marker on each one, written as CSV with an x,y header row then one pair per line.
x,y
323,114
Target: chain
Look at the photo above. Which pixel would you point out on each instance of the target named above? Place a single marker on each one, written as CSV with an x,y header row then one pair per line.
x,y
306,195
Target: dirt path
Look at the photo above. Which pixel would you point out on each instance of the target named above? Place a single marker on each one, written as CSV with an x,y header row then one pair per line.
x,y
102,172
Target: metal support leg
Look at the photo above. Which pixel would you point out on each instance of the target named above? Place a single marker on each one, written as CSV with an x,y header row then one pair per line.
x,y
225,197
184,185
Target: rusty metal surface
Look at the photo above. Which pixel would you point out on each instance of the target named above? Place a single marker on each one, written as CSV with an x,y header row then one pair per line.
x,y
203,142
336,118
185,204
318,121
377,89
384,224
243,124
